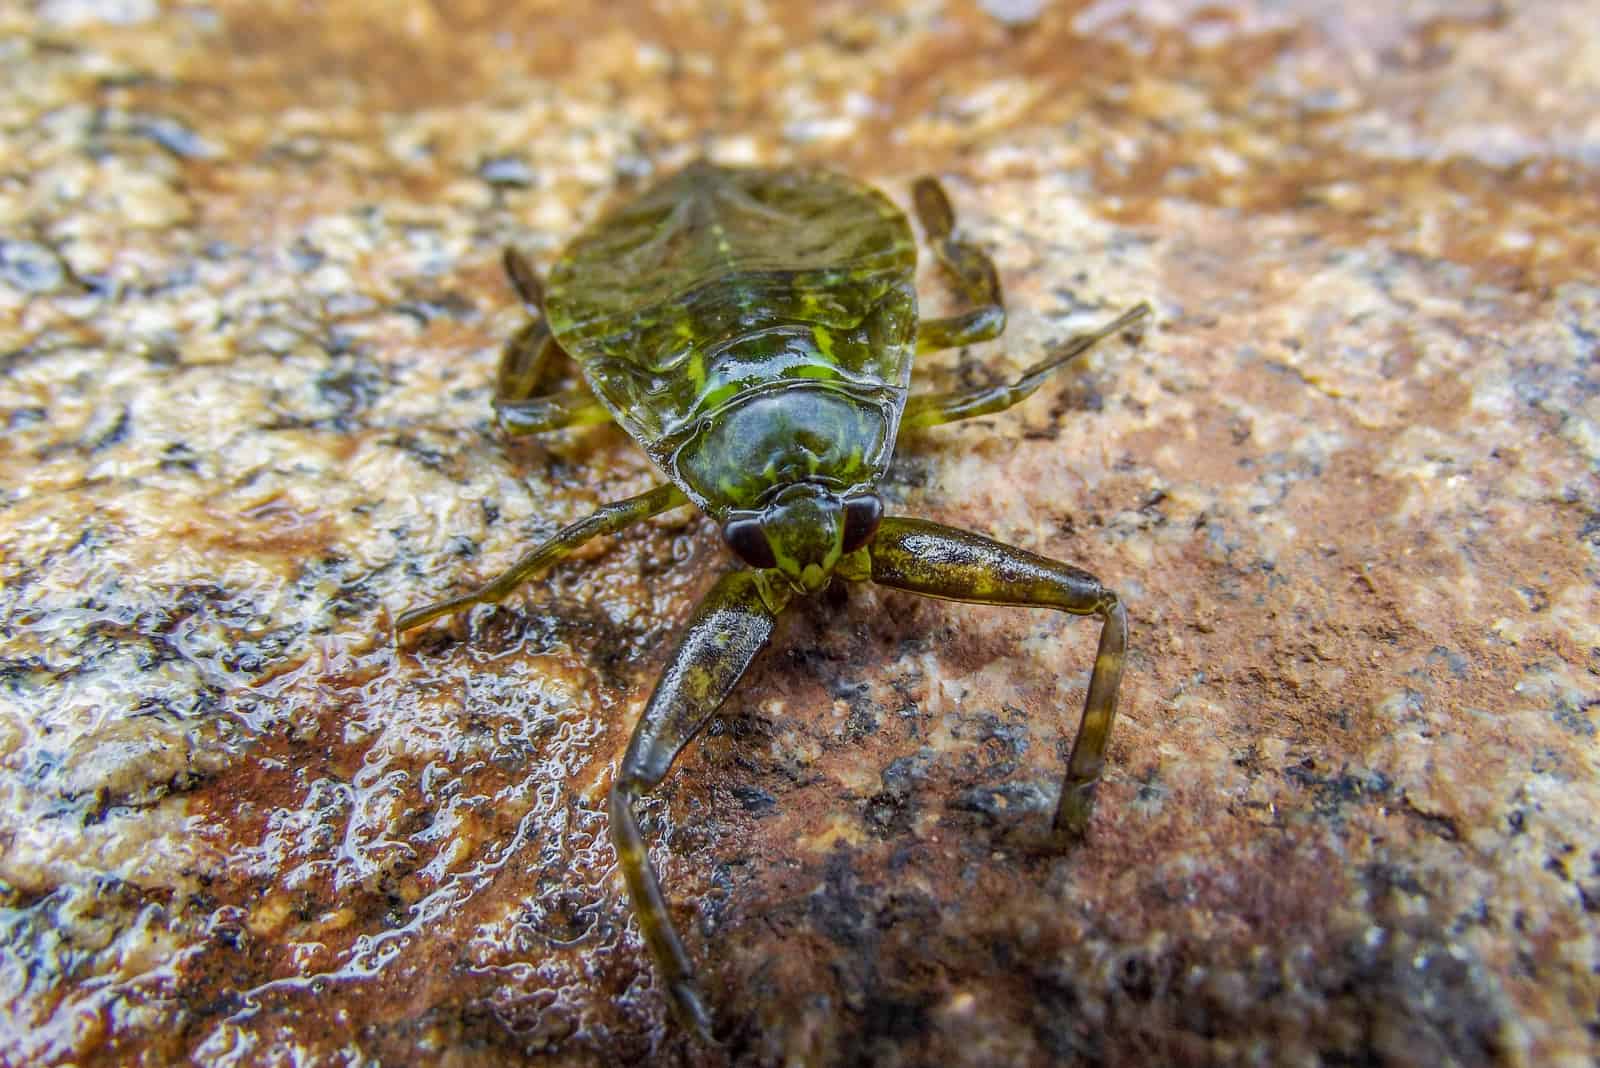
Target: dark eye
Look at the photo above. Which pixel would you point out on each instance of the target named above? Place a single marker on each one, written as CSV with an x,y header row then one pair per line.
x,y
861,516
746,538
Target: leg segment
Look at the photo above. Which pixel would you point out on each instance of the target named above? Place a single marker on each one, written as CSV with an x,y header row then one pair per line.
x,y
524,369
927,558
526,364
608,519
969,268
554,411
525,280
931,409
731,625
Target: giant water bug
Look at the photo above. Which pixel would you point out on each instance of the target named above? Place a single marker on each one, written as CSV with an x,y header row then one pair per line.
x,y
753,330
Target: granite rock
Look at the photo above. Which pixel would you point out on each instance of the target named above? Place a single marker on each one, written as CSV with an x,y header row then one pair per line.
x,y
250,310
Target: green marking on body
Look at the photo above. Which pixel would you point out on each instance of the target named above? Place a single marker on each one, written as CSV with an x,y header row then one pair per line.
x,y
721,281
719,396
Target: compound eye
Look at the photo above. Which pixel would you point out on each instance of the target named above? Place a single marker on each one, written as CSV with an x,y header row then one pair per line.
x,y
861,516
746,538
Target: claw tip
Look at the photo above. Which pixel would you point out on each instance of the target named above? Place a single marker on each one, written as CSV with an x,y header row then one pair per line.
x,y
690,1010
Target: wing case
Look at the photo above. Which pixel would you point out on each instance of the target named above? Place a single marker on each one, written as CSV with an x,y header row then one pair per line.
x,y
718,282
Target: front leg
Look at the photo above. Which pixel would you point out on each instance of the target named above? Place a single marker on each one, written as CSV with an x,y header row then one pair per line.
x,y
731,625
940,561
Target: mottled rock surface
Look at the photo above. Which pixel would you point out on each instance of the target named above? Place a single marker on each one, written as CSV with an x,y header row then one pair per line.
x,y
249,314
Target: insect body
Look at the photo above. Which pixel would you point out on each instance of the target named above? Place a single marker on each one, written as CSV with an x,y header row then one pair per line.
x,y
753,331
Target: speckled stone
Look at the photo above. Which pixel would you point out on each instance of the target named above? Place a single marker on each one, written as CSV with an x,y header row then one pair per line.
x,y
249,314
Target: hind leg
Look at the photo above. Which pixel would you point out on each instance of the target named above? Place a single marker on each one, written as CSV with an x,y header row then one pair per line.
x,y
522,399
970,270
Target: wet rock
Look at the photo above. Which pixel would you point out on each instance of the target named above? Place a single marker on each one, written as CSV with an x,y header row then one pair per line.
x,y
250,308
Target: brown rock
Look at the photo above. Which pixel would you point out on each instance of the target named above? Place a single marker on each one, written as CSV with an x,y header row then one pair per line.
x,y
249,314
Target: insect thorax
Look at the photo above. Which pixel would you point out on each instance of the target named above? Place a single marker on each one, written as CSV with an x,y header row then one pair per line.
x,y
786,433
777,396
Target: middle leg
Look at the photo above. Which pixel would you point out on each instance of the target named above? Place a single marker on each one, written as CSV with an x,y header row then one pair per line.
x,y
608,519
932,409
